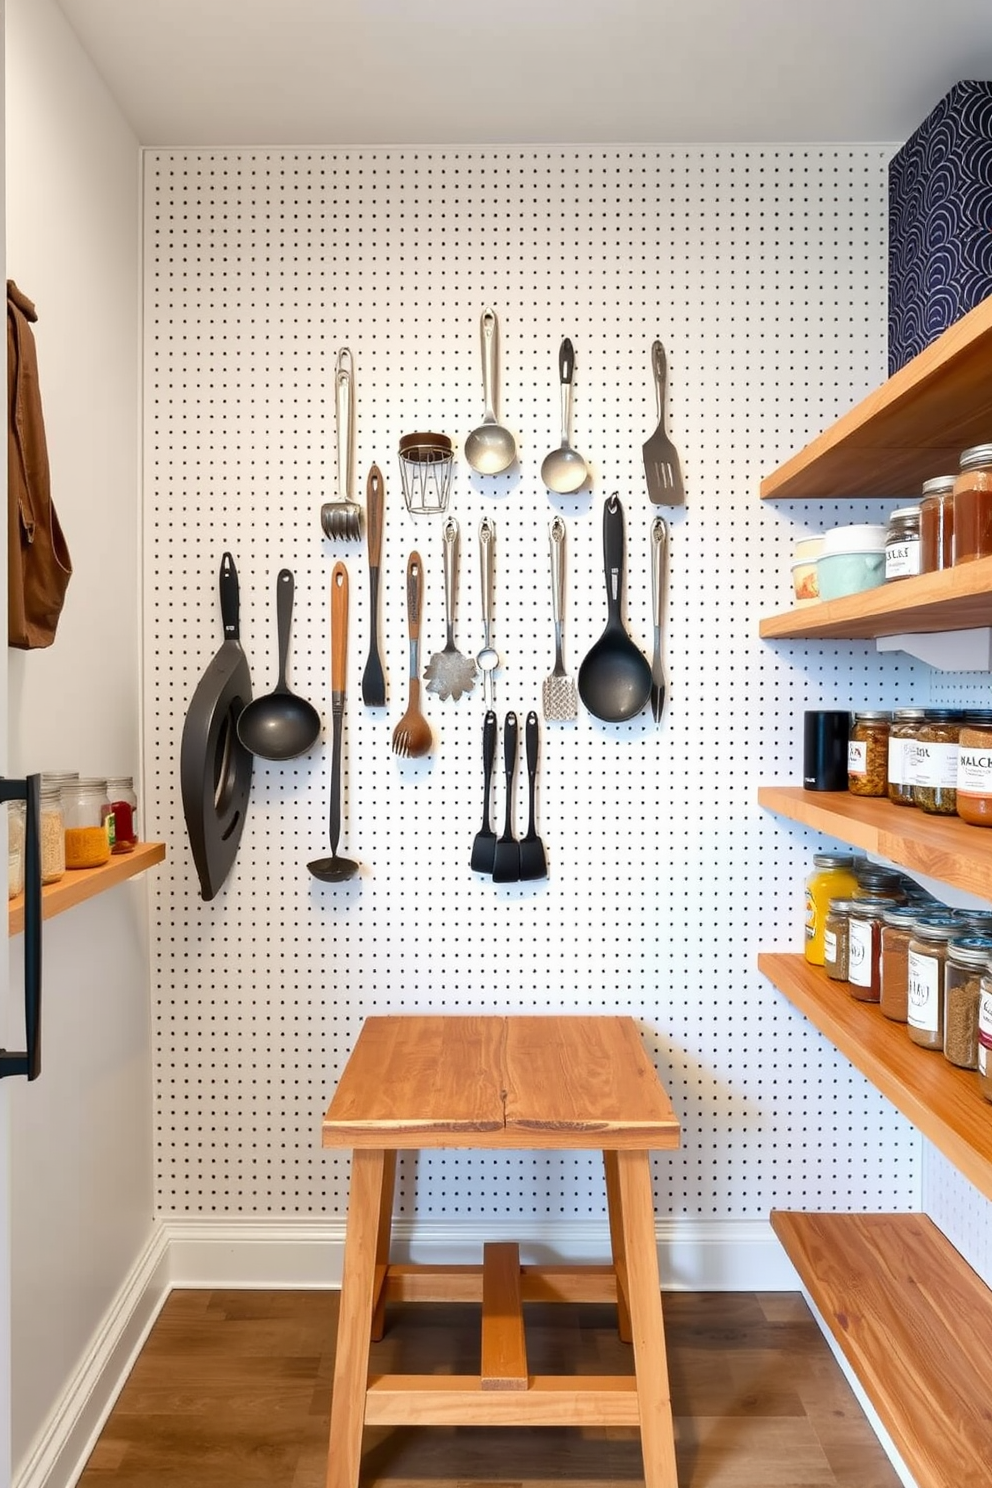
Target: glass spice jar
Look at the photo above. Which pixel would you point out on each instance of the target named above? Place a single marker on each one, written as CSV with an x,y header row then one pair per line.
x,y
868,753
902,543
124,805
973,505
874,881
985,1037
832,877
16,818
89,835
864,947
966,961
835,938
52,827
897,932
935,790
937,524
974,782
906,725
927,961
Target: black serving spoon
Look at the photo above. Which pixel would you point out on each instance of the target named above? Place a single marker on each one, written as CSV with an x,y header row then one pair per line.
x,y
614,678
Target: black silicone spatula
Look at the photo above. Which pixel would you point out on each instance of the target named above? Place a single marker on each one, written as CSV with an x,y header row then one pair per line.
x,y
506,862
484,846
533,862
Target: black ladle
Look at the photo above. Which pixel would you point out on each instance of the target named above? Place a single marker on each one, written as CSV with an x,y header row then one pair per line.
x,y
280,725
336,869
614,678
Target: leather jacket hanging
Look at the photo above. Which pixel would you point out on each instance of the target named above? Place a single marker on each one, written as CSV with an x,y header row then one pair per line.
x,y
38,564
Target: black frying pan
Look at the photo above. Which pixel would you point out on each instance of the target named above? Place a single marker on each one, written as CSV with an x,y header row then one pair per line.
x,y
214,766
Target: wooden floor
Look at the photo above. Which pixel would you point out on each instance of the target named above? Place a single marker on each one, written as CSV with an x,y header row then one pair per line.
x,y
232,1390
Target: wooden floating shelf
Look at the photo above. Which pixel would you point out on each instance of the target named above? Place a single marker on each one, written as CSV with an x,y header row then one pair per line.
x,y
942,1101
914,1322
954,599
85,883
911,428
941,847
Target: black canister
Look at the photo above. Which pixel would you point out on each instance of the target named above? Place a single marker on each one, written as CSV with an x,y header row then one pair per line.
x,y
825,736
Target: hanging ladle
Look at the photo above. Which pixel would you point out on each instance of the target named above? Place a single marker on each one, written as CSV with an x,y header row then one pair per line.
x,y
614,678
564,470
280,725
336,869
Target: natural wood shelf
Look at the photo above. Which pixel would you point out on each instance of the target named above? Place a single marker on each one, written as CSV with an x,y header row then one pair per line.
x,y
911,428
914,1321
85,883
942,1101
941,847
954,599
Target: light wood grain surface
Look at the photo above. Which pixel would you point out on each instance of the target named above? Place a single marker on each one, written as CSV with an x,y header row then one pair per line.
x,y
954,599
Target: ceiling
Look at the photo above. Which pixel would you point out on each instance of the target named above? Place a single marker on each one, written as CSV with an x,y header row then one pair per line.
x,y
373,72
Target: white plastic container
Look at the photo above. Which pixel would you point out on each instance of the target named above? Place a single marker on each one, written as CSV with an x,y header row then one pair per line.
x,y
852,559
805,579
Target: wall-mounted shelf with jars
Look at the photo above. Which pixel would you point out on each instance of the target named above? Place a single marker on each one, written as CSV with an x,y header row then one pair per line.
x,y
81,884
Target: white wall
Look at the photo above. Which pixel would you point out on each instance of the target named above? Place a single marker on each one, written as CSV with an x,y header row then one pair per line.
x,y
81,1135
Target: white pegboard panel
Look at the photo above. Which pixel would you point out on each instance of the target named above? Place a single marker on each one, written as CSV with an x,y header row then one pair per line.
x,y
763,271
959,1210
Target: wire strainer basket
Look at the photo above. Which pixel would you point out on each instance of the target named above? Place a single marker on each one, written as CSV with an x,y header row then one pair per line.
x,y
426,462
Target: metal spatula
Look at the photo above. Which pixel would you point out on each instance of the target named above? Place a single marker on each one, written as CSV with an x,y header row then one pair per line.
x,y
558,696
661,459
449,673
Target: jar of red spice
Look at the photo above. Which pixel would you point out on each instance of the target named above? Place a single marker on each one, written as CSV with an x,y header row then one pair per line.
x,y
864,947
897,932
973,505
124,805
937,524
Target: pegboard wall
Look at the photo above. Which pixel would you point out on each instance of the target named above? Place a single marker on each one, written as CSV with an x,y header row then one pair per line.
x,y
763,271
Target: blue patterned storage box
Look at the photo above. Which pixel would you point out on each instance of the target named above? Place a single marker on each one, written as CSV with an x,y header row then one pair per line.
x,y
940,221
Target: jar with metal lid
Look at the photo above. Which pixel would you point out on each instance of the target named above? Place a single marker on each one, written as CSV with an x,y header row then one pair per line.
x,y
874,881
902,543
864,947
124,805
985,1037
897,932
89,835
832,877
974,921
937,524
52,827
868,753
927,961
966,961
936,785
973,504
903,734
835,938
974,783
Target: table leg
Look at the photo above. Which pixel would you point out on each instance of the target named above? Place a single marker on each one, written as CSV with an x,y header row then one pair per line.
x,y
351,1360
616,1244
647,1324
383,1236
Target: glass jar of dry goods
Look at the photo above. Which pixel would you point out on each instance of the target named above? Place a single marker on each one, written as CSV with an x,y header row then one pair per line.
x,y
902,543
927,960
973,505
877,882
124,805
966,961
89,822
974,784
937,524
835,938
16,817
868,753
906,725
832,878
864,947
936,785
52,834
985,1037
897,932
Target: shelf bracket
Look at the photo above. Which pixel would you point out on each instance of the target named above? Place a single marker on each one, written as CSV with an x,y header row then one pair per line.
x,y
948,650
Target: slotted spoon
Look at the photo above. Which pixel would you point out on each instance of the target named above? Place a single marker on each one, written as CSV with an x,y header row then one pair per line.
x,y
449,673
558,695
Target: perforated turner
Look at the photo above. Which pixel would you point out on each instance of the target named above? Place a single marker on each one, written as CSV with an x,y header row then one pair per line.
x,y
662,468
558,696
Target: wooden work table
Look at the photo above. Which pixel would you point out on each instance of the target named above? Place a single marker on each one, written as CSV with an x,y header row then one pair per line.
x,y
518,1082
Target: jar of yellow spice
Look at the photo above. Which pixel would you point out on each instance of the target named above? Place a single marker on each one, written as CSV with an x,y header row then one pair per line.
x,y
89,824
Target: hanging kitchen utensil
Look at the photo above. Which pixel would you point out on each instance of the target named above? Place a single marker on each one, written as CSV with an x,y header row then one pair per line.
x,y
374,680
564,470
412,736
341,517
488,657
533,861
490,448
662,467
280,725
659,545
506,859
426,462
558,692
214,766
614,678
449,673
336,869
484,846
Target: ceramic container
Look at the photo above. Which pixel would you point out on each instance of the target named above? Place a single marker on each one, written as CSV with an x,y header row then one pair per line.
x,y
852,559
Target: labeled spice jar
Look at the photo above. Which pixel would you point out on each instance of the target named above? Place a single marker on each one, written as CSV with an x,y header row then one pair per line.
x,y
936,788
832,878
966,961
52,827
835,938
897,932
864,947
902,543
124,805
868,753
973,505
89,824
937,524
974,782
903,734
985,1037
927,961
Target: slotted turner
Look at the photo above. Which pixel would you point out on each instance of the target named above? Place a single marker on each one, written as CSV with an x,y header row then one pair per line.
x,y
558,696
449,673
533,862
662,468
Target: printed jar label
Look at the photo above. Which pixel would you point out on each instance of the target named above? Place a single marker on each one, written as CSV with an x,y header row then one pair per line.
x,y
857,757
924,992
810,916
830,946
937,765
859,953
902,559
975,772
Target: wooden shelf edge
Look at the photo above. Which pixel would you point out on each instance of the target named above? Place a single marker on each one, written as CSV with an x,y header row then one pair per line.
x,y
85,883
943,1102
954,599
893,1292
